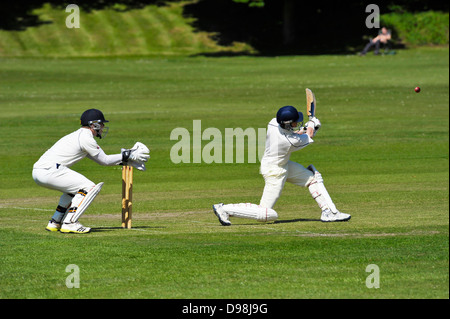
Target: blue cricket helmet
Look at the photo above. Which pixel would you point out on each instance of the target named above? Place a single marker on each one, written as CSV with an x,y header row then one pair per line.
x,y
287,115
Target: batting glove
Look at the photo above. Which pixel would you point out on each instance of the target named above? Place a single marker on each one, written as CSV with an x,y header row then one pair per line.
x,y
313,122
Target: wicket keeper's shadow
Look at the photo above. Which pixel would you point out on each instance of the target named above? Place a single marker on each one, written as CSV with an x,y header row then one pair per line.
x,y
101,229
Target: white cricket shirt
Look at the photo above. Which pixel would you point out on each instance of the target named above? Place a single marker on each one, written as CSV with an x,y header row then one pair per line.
x,y
70,149
280,143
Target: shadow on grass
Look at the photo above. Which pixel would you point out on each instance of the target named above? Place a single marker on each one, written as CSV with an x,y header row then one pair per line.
x,y
297,220
282,222
102,229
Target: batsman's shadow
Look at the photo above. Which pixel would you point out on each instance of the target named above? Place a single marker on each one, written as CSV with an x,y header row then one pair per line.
x,y
102,229
284,221
297,220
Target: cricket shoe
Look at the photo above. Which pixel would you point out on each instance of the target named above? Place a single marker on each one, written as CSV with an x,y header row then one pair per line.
x,y
53,226
76,228
223,216
329,216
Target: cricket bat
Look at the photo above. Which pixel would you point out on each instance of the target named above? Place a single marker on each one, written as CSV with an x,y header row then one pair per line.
x,y
310,106
310,103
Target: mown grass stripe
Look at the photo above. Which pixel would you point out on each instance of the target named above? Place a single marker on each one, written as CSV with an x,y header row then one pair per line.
x,y
137,33
110,36
12,43
59,36
158,30
118,31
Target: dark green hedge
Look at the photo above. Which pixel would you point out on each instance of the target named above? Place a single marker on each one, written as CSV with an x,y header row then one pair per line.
x,y
422,28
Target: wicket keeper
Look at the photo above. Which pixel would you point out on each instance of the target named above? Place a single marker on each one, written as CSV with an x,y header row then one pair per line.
x,y
52,170
284,136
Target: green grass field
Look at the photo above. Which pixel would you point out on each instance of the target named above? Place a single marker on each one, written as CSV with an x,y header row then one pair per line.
x,y
382,150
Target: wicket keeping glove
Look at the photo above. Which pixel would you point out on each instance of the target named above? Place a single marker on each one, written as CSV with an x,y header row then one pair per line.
x,y
139,166
139,153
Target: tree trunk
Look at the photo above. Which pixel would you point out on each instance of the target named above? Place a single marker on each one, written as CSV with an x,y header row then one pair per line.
x,y
289,30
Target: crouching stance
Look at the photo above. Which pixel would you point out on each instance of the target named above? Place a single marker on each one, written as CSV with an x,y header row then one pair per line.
x,y
53,171
284,136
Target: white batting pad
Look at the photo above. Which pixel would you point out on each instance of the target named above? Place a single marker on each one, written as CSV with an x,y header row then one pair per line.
x,y
251,211
319,192
84,202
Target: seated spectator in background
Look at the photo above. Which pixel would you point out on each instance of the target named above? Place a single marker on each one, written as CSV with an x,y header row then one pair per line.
x,y
383,37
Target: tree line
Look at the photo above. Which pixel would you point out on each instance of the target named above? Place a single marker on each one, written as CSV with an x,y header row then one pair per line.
x,y
267,25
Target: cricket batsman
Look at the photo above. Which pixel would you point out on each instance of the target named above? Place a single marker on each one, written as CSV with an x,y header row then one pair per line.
x,y
285,135
52,170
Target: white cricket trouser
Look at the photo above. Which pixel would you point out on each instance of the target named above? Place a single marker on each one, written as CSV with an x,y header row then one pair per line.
x,y
294,173
62,179
275,179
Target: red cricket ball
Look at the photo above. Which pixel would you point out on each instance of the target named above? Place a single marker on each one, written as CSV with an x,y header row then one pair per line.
x,y
417,89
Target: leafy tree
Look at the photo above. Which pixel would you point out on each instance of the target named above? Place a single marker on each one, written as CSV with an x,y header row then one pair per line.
x,y
350,11
252,3
288,20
